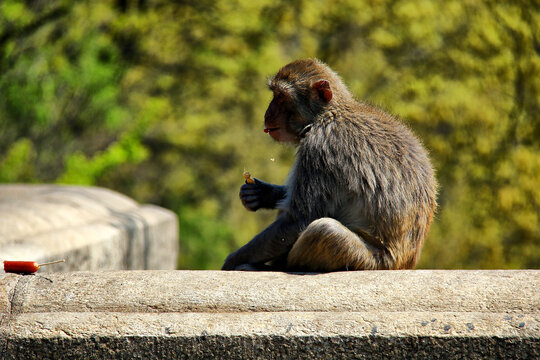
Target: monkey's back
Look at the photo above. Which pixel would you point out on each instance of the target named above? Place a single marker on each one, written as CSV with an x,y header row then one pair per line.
x,y
381,173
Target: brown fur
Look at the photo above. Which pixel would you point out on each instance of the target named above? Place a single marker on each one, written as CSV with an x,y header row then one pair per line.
x,y
362,192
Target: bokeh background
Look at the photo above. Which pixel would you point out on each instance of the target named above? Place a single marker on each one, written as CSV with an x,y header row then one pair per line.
x,y
164,101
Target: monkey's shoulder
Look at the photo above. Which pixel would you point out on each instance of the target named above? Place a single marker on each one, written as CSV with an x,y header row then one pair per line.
x,y
363,143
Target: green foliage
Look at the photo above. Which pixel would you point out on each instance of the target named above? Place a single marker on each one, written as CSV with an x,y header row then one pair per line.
x,y
164,102
205,238
17,164
81,170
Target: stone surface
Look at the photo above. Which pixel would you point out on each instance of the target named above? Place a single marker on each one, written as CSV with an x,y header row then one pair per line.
x,y
92,228
230,315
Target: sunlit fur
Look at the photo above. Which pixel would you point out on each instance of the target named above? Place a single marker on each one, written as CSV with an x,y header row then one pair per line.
x,y
359,166
361,194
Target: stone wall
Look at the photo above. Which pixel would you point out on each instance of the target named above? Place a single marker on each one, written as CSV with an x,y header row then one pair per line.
x,y
234,315
99,314
92,228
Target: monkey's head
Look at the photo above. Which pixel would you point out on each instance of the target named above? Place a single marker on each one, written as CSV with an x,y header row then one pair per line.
x,y
302,90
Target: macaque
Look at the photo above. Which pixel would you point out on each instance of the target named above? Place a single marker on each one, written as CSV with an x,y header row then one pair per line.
x,y
361,194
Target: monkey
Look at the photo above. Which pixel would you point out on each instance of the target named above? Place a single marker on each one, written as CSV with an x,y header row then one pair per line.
x,y
361,194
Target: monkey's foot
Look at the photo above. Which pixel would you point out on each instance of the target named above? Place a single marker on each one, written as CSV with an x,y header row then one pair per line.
x,y
246,267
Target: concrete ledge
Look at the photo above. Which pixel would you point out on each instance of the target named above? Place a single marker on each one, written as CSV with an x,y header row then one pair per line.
x,y
231,315
93,228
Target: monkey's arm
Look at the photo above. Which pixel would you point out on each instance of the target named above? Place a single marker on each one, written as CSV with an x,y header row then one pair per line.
x,y
274,241
261,195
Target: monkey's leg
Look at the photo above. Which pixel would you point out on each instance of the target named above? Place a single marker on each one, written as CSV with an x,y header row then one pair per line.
x,y
327,245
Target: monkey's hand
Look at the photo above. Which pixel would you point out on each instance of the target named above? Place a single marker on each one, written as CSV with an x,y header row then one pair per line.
x,y
233,261
261,195
272,243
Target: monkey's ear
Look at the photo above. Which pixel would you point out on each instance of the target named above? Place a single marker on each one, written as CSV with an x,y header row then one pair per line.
x,y
322,89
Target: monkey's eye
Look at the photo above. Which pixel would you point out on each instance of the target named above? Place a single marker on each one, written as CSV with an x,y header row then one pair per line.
x,y
279,96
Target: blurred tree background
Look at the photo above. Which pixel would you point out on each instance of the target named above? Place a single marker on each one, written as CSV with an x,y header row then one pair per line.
x,y
164,101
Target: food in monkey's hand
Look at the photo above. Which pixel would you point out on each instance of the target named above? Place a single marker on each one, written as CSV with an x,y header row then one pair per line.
x,y
248,178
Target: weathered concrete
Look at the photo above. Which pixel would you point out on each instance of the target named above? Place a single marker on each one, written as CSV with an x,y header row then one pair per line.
x,y
230,315
92,228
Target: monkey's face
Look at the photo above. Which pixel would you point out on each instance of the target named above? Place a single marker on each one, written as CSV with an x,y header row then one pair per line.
x,y
281,122
300,93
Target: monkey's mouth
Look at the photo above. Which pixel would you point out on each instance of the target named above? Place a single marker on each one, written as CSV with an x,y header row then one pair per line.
x,y
269,130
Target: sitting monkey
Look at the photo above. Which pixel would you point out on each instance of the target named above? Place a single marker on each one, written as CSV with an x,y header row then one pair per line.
x,y
361,193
